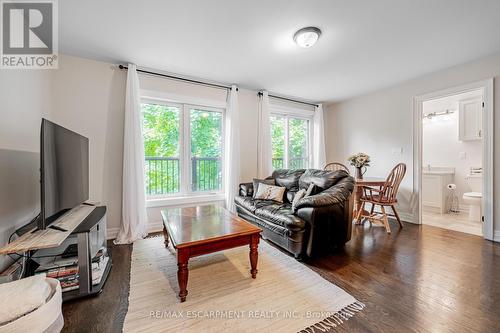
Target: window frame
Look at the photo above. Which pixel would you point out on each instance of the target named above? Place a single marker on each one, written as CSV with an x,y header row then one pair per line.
x,y
185,168
287,114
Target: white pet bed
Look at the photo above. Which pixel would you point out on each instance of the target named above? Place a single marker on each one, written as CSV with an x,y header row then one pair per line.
x,y
31,305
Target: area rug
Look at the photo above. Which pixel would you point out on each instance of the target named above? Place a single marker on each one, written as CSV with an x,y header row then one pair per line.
x,y
286,296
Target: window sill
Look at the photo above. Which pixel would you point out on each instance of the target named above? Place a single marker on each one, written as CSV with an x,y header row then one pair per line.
x,y
185,200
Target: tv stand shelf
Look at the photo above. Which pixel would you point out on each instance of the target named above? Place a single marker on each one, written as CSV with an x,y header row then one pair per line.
x,y
48,238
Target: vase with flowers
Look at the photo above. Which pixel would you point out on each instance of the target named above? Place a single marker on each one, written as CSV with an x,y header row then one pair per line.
x,y
360,161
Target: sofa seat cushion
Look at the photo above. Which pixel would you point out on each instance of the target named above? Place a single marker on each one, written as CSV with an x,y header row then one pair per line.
x,y
281,214
250,203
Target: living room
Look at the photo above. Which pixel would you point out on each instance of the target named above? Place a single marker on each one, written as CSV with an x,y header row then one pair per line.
x,y
186,110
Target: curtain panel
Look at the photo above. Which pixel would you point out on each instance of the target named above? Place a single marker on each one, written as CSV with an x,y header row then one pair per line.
x,y
232,143
134,215
264,149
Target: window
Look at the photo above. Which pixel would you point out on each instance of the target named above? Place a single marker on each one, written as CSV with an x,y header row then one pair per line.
x,y
290,137
183,145
206,150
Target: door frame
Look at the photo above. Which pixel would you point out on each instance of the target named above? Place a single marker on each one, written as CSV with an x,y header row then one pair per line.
x,y
487,88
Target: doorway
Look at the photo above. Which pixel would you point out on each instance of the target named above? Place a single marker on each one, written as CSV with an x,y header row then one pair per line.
x,y
453,158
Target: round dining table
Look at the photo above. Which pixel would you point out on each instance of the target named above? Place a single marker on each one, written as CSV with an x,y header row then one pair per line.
x,y
366,181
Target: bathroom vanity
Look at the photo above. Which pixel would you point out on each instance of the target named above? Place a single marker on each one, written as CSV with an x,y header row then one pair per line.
x,y
434,182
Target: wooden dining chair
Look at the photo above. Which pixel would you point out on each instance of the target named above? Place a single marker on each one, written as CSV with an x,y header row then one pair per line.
x,y
334,166
384,196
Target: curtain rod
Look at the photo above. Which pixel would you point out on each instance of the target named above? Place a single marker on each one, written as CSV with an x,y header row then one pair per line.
x,y
220,86
289,99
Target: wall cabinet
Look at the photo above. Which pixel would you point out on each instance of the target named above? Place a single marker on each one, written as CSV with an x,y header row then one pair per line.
x,y
470,119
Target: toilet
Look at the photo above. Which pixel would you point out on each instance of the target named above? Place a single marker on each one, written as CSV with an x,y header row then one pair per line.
x,y
474,198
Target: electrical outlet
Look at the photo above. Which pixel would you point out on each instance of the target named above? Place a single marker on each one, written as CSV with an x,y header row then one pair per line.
x,y
462,155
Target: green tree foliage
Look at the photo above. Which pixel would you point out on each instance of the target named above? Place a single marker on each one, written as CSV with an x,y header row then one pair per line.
x,y
278,141
161,127
297,142
206,133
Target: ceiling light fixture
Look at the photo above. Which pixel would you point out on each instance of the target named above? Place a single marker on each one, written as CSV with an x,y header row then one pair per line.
x,y
307,37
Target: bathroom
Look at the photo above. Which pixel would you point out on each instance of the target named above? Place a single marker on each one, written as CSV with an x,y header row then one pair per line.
x,y
452,162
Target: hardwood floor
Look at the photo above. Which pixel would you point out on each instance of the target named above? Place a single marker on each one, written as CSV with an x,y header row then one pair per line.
x,y
418,279
106,311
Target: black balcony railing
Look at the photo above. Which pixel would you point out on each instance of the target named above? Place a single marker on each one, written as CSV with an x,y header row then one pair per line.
x,y
206,174
294,163
277,163
163,174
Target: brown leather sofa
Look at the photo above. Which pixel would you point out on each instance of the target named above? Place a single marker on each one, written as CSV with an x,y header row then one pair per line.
x,y
321,222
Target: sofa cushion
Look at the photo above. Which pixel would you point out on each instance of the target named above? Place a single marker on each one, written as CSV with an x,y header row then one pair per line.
x,y
299,195
256,183
250,203
288,178
270,192
312,190
321,178
281,214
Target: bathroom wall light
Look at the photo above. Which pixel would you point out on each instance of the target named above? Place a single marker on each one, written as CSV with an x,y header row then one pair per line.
x,y
307,37
433,115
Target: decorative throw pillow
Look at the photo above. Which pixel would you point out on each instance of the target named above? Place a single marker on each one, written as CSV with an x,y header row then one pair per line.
x,y
269,192
299,195
256,183
311,190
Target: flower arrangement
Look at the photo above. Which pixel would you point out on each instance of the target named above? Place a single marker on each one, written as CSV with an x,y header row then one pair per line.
x,y
359,160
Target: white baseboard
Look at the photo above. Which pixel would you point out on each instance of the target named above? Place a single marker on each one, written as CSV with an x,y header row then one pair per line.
x,y
496,236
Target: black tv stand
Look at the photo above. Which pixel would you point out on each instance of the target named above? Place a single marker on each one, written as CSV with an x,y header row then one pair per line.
x,y
83,243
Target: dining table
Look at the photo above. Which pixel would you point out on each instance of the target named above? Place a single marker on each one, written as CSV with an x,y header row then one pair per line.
x,y
359,183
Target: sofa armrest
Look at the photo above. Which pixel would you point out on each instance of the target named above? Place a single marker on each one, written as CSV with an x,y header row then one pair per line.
x,y
246,189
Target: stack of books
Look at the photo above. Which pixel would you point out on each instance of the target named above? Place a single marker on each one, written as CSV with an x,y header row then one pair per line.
x,y
66,270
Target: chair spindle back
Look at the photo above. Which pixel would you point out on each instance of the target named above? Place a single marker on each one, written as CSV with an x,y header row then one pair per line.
x,y
391,186
334,166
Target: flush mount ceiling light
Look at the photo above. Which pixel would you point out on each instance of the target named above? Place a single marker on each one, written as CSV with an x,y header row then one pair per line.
x,y
307,37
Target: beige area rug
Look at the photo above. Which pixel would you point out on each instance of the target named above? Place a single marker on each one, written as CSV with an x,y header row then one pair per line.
x,y
286,296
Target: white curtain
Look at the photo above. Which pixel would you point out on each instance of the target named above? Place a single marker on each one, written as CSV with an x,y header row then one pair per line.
x,y
319,152
134,216
232,158
264,149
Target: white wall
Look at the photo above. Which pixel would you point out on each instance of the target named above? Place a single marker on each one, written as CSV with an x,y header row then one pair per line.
x,y
441,148
381,121
24,99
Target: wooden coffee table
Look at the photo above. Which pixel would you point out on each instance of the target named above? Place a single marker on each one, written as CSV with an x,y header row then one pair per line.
x,y
206,229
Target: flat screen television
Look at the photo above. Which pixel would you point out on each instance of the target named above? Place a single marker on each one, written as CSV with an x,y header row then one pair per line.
x,y
64,171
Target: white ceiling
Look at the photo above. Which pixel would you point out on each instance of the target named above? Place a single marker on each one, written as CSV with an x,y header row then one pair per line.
x,y
366,45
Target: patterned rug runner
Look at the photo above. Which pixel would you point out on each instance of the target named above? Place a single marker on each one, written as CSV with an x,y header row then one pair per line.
x,y
286,296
